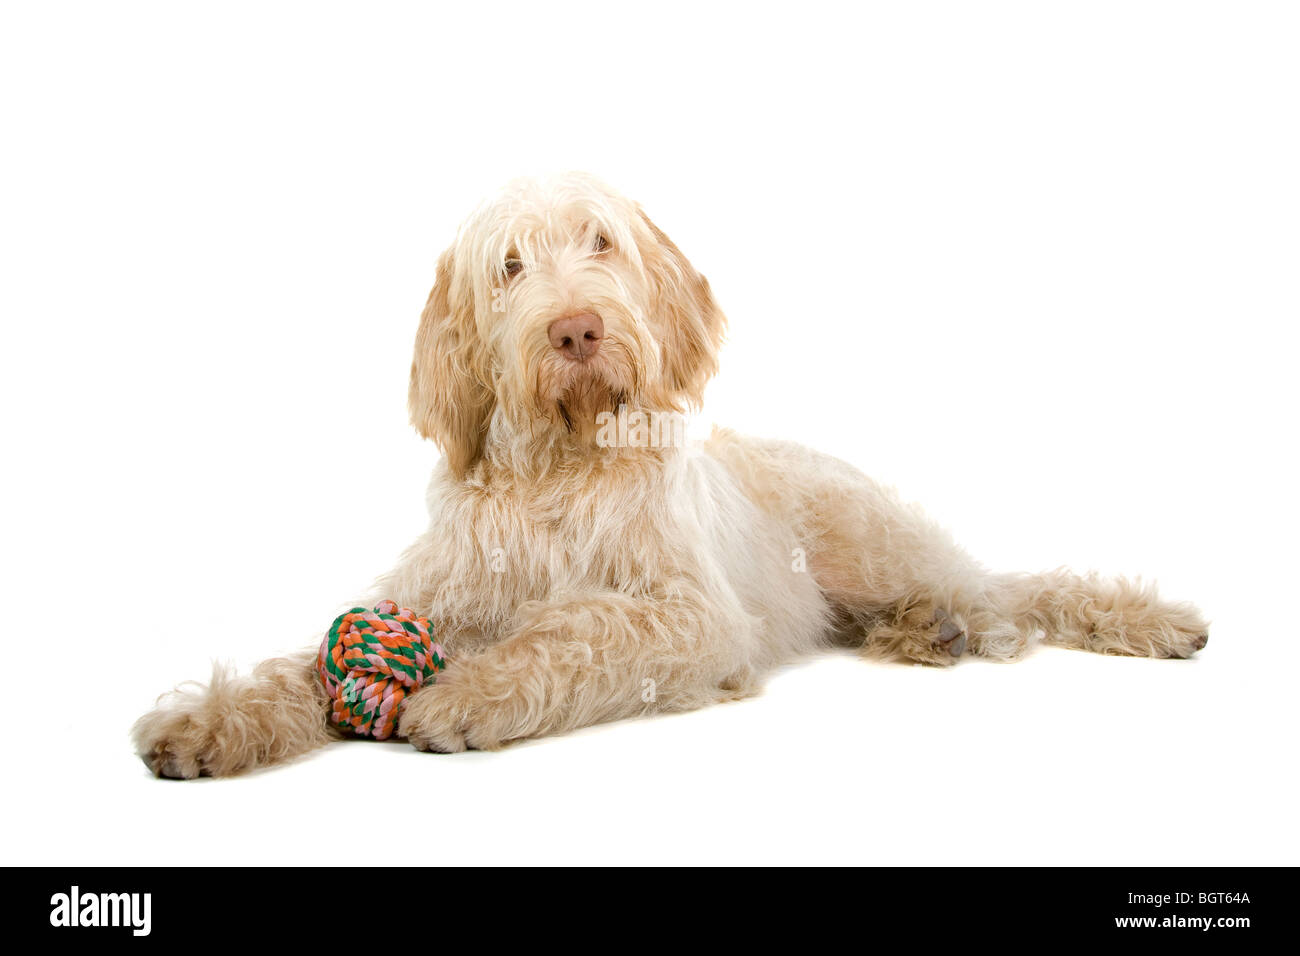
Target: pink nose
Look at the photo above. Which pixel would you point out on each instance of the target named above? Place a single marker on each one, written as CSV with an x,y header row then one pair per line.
x,y
576,337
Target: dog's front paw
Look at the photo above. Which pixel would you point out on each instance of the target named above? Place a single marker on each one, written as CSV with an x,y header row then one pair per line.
x,y
454,715
236,723
176,743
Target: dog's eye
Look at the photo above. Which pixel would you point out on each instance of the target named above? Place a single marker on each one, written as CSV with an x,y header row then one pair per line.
x,y
601,243
513,268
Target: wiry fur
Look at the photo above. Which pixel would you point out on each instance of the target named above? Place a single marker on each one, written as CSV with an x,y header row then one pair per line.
x,y
581,583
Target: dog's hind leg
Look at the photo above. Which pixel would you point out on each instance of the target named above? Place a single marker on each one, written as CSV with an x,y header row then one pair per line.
x,y
967,611
1092,613
902,587
963,610
912,593
234,723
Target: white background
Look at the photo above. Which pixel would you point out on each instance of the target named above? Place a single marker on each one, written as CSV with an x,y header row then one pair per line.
x,y
1035,264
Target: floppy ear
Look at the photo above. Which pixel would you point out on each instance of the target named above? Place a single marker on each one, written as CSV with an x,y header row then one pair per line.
x,y
449,399
693,323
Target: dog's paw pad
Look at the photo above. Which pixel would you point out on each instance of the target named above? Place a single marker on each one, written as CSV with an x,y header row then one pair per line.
x,y
952,638
170,766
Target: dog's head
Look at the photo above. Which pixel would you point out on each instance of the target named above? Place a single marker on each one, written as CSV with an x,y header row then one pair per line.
x,y
560,299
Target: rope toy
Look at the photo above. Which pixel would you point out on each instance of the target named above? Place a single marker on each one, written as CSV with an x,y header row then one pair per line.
x,y
371,660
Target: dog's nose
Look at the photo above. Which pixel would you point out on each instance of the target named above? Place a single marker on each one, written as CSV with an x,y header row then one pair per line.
x,y
576,337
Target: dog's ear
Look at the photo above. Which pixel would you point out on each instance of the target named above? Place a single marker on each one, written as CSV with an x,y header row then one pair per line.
x,y
693,324
450,400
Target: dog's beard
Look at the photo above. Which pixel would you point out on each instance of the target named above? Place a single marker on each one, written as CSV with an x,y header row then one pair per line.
x,y
584,401
573,395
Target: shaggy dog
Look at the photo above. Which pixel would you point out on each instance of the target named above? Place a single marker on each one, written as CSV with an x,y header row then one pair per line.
x,y
583,573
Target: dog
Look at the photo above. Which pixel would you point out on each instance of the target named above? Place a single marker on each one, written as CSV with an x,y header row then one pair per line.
x,y
582,572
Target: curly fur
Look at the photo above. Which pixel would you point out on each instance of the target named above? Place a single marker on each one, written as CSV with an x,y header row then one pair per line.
x,y
581,583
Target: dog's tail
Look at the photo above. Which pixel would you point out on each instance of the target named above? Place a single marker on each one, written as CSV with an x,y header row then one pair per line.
x,y
1088,612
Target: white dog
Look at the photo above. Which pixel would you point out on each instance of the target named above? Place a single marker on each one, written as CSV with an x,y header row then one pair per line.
x,y
579,579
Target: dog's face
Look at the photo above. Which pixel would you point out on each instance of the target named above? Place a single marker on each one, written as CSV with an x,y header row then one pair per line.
x,y
559,299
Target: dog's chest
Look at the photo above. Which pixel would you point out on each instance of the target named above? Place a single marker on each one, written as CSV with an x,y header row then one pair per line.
x,y
594,531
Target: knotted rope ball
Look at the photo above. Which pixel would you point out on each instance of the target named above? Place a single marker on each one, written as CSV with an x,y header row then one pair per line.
x,y
369,662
